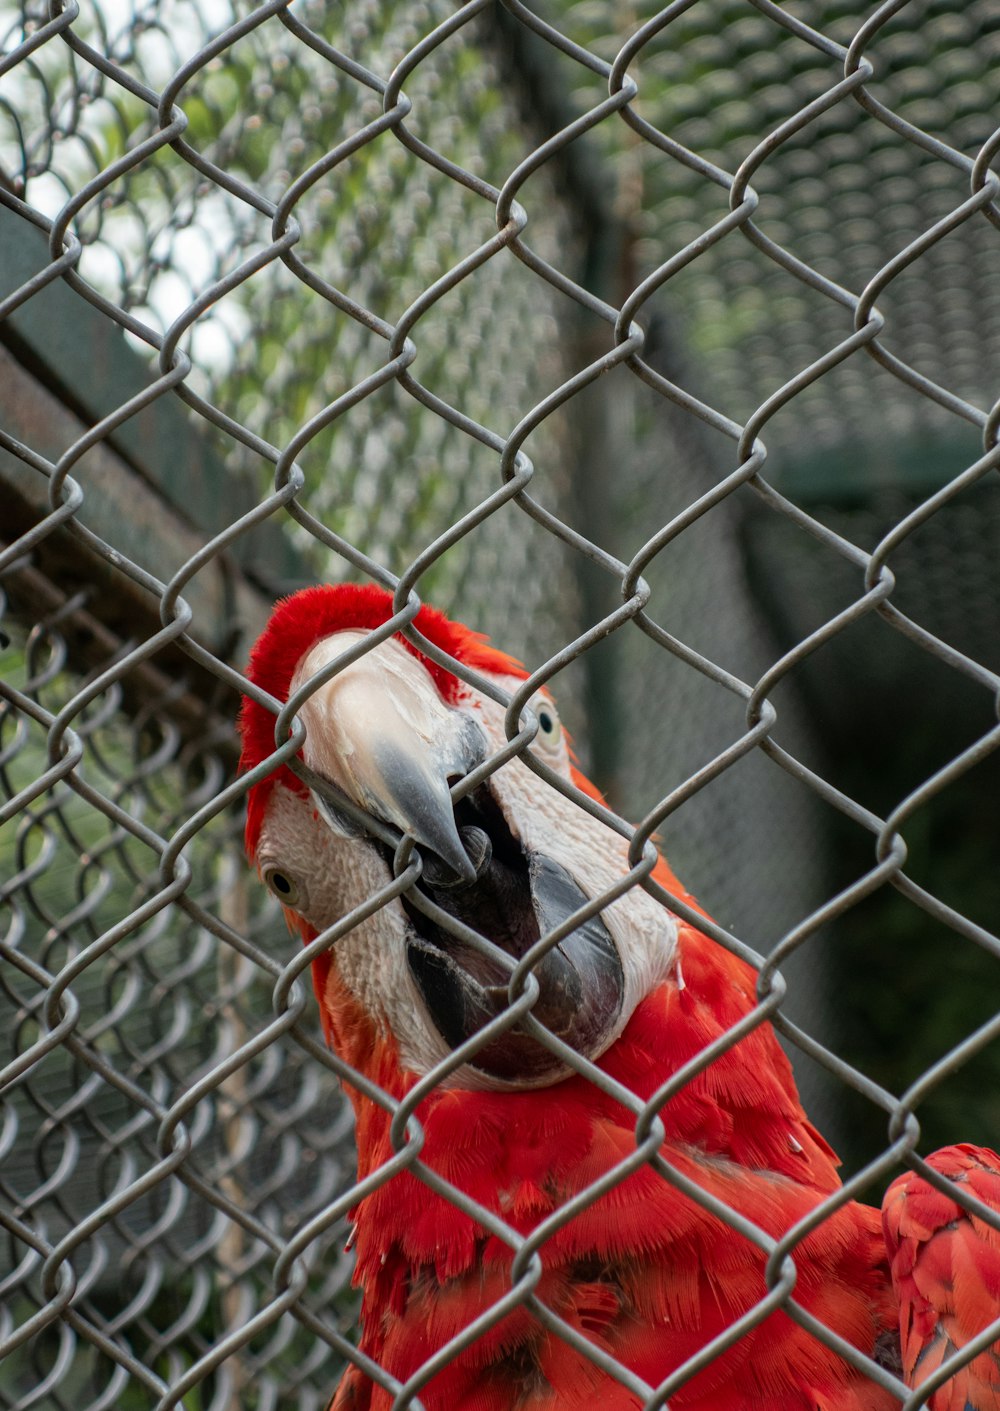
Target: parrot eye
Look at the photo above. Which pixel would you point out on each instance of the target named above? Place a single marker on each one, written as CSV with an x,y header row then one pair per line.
x,y
549,727
284,887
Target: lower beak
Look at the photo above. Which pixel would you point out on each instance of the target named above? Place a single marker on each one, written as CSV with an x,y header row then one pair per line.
x,y
580,979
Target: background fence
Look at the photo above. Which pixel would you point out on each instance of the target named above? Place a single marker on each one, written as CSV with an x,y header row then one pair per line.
x,y
259,328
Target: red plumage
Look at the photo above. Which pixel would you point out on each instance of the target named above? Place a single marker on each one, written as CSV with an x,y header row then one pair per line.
x,y
642,1271
945,1266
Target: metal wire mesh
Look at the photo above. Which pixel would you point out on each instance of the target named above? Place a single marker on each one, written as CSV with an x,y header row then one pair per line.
x,y
537,313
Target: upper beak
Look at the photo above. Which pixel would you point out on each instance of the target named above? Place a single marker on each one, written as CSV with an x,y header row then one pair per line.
x,y
381,732
410,788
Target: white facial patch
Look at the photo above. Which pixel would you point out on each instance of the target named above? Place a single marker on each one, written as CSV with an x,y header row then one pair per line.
x,y
334,874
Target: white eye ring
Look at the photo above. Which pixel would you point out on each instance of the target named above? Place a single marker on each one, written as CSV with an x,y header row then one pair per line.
x,y
549,736
280,882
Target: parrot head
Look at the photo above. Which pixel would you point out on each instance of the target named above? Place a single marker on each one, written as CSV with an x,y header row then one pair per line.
x,y
504,862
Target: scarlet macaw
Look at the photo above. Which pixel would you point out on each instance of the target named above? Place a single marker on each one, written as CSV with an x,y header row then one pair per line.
x,y
642,1271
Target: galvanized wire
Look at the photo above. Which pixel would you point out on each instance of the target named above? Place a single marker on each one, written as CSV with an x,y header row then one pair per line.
x,y
619,344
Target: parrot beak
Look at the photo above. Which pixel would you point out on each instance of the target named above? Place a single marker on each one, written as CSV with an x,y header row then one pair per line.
x,y
382,733
412,792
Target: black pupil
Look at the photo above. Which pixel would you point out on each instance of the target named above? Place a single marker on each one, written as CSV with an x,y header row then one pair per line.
x,y
280,882
545,722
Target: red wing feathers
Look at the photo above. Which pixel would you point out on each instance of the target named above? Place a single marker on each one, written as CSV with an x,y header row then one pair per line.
x,y
945,1267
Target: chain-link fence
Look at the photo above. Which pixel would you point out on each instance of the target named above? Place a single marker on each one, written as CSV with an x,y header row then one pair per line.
x,y
294,293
